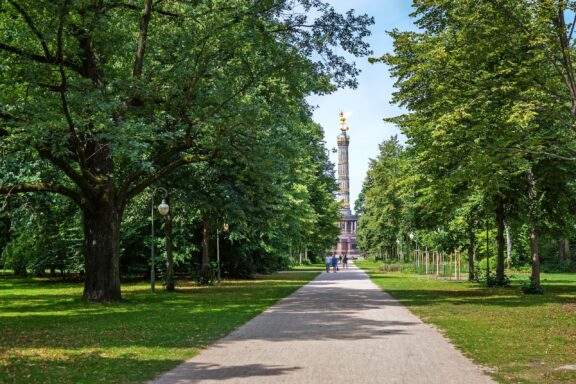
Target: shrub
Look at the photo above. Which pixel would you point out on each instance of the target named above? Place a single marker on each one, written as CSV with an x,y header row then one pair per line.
x,y
531,288
210,277
480,277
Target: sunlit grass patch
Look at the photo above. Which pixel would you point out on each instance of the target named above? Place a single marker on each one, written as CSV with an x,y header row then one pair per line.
x,y
310,267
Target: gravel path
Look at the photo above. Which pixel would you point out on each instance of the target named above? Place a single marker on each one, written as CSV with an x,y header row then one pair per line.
x,y
340,328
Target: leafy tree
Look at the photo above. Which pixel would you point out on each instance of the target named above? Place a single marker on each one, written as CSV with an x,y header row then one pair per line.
x,y
91,112
380,223
480,81
44,235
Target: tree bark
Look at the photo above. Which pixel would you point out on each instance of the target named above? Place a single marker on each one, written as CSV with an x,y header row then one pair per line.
x,y
471,246
102,217
567,255
102,253
508,245
170,283
144,22
535,257
500,241
563,250
205,270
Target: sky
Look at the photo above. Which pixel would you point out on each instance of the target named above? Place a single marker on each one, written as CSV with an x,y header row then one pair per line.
x,y
368,104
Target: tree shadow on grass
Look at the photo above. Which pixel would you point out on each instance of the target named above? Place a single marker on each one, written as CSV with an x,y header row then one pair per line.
x,y
137,299
188,318
85,368
192,372
183,321
505,297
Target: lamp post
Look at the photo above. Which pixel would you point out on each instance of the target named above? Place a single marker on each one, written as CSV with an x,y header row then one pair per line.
x,y
163,209
487,256
409,244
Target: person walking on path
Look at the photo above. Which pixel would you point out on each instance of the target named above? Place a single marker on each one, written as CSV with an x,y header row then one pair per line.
x,y
328,264
335,263
345,262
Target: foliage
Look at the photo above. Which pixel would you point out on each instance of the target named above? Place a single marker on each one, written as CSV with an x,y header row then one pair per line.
x,y
488,89
480,276
532,288
379,225
306,262
100,101
210,278
37,223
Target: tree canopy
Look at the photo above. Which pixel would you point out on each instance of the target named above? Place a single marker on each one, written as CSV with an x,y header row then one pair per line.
x,y
488,88
101,99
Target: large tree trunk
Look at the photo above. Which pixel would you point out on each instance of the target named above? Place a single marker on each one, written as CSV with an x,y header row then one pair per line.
x,y
500,241
508,245
170,283
471,246
533,229
101,219
102,253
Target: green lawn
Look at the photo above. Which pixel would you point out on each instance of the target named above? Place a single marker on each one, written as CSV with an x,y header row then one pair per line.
x,y
525,338
48,335
319,267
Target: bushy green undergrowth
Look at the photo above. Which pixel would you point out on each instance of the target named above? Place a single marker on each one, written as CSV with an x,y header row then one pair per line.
x,y
525,338
49,335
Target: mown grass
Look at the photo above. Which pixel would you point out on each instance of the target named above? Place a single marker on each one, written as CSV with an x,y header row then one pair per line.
x,y
310,267
49,335
526,338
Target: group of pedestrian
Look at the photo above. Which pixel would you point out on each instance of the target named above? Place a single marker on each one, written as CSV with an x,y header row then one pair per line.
x,y
333,261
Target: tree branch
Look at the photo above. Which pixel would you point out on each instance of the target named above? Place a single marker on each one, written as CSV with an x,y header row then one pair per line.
x,y
42,187
188,159
72,174
136,8
226,101
32,26
572,29
63,87
541,153
39,58
520,25
566,59
144,22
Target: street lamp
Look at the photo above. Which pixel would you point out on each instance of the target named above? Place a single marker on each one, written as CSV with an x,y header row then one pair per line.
x,y
487,256
163,209
409,244
411,237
